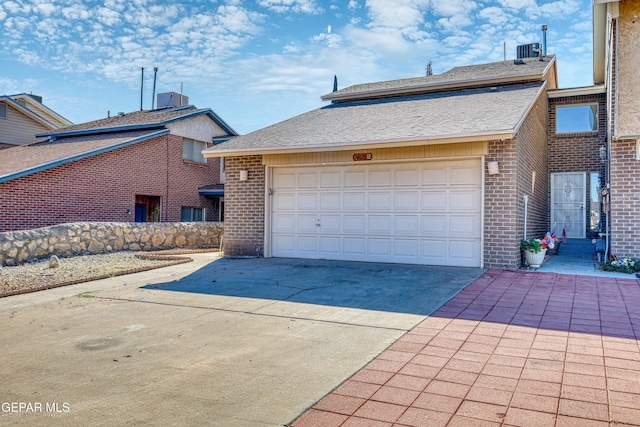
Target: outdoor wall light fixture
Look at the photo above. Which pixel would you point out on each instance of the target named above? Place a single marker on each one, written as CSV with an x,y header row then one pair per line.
x,y
244,175
128,212
493,168
602,152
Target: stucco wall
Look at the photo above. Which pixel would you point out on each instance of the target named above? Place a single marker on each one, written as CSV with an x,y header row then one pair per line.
x,y
628,57
103,187
65,240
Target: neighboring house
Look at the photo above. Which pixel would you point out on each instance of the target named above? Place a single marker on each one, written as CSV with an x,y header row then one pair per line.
x,y
400,171
140,166
616,63
23,116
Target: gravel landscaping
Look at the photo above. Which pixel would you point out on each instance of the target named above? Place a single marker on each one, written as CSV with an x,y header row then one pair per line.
x,y
37,276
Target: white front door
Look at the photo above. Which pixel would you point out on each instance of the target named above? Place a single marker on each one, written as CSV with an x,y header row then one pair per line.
x,y
568,197
415,213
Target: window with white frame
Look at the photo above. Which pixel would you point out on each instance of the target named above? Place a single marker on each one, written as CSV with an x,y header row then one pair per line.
x,y
576,118
3,111
192,214
192,150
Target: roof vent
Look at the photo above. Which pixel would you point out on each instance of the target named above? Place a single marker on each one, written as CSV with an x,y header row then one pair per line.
x,y
172,99
531,50
121,113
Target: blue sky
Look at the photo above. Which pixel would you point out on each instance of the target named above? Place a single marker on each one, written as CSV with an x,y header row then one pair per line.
x,y
258,62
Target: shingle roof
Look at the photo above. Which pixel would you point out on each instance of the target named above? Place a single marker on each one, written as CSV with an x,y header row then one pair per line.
x,y
465,76
24,160
432,116
141,119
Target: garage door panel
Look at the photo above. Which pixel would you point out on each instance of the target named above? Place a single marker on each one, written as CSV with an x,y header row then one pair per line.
x,y
406,248
433,200
463,252
465,200
426,213
434,176
379,224
464,226
306,223
380,178
284,201
464,173
379,247
329,247
308,180
330,201
408,225
330,224
355,178
354,201
307,245
434,225
406,200
284,223
379,201
407,177
354,224
355,247
331,179
308,201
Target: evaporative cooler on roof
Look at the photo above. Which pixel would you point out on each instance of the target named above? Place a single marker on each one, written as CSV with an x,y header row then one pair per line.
x,y
531,50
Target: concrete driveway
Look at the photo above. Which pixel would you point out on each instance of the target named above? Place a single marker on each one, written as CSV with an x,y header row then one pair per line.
x,y
229,342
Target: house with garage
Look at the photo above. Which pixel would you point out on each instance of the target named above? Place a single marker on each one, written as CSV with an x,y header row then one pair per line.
x,y
433,170
143,166
22,116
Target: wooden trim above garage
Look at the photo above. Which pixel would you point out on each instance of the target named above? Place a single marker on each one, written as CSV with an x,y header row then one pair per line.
x,y
438,151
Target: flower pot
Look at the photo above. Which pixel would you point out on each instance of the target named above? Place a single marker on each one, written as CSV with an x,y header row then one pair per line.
x,y
555,249
535,259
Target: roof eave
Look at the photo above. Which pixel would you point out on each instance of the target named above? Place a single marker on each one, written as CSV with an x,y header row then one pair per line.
x,y
437,87
79,156
365,145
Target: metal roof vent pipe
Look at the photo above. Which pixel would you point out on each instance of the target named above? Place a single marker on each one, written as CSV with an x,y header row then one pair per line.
x,y
544,40
153,96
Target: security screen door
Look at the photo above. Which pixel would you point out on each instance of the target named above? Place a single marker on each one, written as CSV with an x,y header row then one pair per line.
x,y
568,196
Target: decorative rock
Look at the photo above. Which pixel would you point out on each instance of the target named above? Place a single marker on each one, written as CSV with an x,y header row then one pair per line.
x,y
54,261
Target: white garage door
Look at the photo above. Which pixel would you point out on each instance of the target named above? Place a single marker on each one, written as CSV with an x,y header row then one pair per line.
x,y
414,213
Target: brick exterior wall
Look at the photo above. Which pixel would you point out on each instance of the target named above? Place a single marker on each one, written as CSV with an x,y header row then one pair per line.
x,y
579,152
504,201
103,187
625,199
244,207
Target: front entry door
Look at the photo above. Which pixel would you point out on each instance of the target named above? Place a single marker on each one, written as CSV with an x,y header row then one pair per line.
x,y
568,196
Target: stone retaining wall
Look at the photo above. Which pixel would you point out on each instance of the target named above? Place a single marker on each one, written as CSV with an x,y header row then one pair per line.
x,y
17,247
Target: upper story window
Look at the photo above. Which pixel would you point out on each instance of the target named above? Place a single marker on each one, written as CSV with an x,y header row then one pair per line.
x,y
3,111
577,118
192,150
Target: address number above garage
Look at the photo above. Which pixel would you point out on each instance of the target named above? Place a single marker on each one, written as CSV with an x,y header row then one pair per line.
x,y
359,157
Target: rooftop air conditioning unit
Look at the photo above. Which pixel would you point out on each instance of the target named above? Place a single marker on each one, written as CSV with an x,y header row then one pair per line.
x,y
171,99
531,50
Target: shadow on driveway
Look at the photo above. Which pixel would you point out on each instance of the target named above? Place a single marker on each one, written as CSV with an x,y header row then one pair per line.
x,y
401,288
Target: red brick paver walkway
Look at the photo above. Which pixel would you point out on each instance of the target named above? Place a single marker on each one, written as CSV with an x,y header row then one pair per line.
x,y
511,349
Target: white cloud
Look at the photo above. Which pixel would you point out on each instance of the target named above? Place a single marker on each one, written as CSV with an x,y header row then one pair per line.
x,y
295,6
353,4
494,15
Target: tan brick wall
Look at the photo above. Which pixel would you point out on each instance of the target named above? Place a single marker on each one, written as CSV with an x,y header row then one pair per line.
x,y
244,207
504,202
629,69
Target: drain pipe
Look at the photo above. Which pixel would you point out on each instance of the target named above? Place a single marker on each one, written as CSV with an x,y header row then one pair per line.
x,y
526,204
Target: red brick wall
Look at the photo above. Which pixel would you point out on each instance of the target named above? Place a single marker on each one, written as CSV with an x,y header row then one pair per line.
x,y
504,201
578,152
103,187
244,207
625,199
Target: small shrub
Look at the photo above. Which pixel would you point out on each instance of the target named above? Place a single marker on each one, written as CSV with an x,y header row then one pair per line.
x,y
623,265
